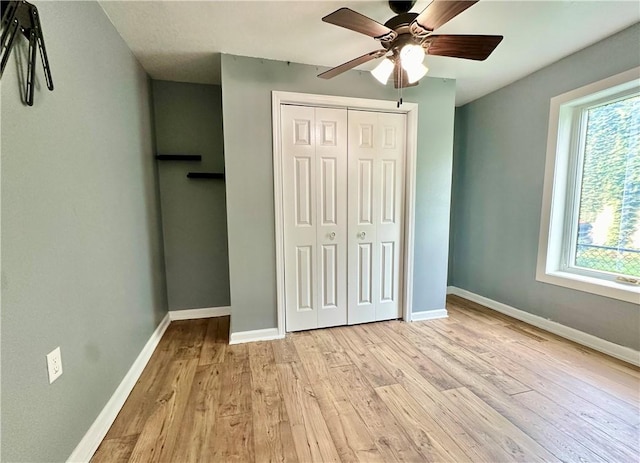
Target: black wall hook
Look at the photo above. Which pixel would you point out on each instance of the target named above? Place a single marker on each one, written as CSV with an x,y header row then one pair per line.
x,y
22,16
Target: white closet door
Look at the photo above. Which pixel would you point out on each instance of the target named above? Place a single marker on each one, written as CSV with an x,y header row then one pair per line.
x,y
376,172
391,157
362,259
331,155
300,253
314,155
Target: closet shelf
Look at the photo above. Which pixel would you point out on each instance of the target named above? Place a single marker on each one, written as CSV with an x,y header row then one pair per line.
x,y
178,157
206,175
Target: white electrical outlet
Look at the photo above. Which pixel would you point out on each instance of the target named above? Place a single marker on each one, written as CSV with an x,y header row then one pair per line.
x,y
54,364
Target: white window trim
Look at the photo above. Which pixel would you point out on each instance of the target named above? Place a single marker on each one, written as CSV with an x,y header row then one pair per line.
x,y
557,188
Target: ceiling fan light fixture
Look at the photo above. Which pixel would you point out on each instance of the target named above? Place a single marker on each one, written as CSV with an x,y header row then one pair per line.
x,y
416,72
383,71
411,56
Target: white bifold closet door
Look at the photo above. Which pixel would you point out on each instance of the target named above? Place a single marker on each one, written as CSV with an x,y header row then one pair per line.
x,y
343,188
314,159
375,210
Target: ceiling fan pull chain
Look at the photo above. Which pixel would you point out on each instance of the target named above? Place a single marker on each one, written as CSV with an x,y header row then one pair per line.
x,y
401,86
397,69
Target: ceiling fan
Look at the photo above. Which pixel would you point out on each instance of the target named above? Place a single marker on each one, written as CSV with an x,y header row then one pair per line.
x,y
407,37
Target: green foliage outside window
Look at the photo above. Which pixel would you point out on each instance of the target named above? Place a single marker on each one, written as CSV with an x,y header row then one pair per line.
x,y
609,214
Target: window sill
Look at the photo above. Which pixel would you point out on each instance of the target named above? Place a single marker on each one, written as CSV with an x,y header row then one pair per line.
x,y
611,289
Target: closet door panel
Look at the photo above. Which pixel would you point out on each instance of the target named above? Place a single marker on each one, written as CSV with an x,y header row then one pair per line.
x,y
363,212
376,201
391,136
331,165
300,212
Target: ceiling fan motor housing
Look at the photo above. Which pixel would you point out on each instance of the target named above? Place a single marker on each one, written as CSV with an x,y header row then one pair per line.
x,y
401,25
399,7
401,22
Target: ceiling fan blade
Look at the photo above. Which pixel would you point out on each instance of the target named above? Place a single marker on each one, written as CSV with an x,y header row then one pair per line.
x,y
401,78
352,64
476,47
441,11
349,19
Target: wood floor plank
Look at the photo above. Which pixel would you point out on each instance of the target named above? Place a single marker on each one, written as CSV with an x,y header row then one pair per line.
x,y
430,371
367,333
477,311
590,370
592,436
142,398
214,345
571,351
502,336
590,413
236,382
461,334
473,362
222,334
233,440
272,436
116,450
361,357
199,418
332,350
391,440
284,351
311,437
186,338
625,388
306,446
422,430
530,334
578,387
161,430
350,435
563,447
579,356
511,439
460,429
352,438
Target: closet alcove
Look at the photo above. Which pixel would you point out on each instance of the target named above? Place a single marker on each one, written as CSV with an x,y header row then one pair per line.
x,y
190,162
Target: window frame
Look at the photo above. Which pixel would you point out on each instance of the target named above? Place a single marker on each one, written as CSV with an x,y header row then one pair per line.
x,y
562,185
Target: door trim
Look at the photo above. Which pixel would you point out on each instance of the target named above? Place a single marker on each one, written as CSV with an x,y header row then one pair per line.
x,y
328,101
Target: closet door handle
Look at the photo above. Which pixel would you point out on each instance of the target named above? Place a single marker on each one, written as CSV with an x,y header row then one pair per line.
x,y
362,235
332,236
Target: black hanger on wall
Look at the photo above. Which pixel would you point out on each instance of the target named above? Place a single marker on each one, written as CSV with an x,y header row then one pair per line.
x,y
22,16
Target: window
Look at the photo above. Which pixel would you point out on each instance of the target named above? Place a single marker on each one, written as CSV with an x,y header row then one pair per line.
x,y
590,227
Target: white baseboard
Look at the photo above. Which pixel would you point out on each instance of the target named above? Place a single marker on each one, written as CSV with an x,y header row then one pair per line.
x,y
429,315
92,439
607,347
257,335
192,314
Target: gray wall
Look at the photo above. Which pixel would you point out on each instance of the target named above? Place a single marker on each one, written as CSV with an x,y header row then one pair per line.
x,y
188,120
497,194
246,94
82,264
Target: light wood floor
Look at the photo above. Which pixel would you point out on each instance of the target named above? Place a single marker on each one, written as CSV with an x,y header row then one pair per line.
x,y
478,386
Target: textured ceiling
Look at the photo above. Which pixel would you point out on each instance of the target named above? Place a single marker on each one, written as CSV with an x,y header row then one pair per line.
x,y
182,40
